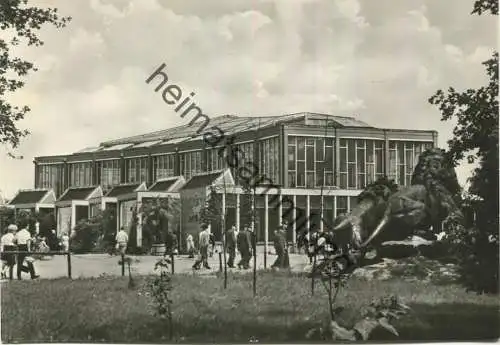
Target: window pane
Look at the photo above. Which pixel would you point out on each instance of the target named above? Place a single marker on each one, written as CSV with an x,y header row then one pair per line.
x,y
379,161
301,178
369,151
329,159
370,173
401,174
351,151
341,205
291,140
343,180
361,181
291,179
343,160
301,155
319,150
351,175
310,158
310,180
291,157
361,160
319,178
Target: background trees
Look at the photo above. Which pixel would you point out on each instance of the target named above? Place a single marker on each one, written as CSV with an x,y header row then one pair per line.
x,y
19,24
475,136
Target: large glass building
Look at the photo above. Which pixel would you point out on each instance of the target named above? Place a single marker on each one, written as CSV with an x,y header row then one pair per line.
x,y
314,159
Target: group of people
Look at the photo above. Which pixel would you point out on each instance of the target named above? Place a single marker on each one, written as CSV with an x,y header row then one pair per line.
x,y
243,242
17,240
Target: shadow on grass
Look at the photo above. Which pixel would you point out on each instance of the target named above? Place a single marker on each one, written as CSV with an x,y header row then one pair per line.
x,y
459,322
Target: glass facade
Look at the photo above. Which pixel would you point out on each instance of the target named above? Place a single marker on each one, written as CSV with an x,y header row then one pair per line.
x,y
163,166
246,156
269,158
190,163
51,176
136,169
214,161
310,162
361,161
109,173
403,156
80,174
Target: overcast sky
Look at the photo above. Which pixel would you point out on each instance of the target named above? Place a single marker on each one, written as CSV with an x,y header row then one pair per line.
x,y
377,60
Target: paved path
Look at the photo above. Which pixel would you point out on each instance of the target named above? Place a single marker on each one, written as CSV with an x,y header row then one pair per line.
x,y
95,265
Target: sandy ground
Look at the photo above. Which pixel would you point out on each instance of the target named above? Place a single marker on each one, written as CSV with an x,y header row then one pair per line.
x,y
95,265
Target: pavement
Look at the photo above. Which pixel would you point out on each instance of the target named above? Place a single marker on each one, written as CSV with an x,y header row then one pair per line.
x,y
95,265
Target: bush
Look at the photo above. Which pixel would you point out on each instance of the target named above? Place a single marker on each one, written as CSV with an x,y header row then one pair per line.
x,y
86,236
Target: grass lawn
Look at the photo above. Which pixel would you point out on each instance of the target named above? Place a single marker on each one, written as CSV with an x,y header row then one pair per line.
x,y
105,310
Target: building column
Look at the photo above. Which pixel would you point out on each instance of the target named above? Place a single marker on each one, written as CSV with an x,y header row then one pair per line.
x,y
266,221
308,211
139,221
294,227
122,169
151,176
322,212
283,166
73,217
238,211
337,161
386,154
37,168
223,222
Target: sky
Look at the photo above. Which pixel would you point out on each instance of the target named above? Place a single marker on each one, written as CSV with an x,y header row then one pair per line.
x,y
376,60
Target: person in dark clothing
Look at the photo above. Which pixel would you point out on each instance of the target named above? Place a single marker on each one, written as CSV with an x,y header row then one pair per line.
x,y
212,244
281,248
245,248
231,245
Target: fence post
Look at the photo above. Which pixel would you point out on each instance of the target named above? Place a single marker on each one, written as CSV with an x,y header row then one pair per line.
x,y
173,262
220,262
69,264
123,265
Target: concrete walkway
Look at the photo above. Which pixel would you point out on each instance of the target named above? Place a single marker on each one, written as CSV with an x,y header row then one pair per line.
x,y
95,265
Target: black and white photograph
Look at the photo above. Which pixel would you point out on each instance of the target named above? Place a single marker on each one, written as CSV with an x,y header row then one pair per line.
x,y
249,171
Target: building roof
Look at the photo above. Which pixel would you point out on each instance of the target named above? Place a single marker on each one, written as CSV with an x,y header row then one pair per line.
x,y
162,186
77,193
123,189
203,180
32,196
229,124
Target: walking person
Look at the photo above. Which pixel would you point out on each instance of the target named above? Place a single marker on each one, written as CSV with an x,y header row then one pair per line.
x,y
211,240
203,243
279,248
190,246
65,242
121,241
8,243
245,248
231,245
23,239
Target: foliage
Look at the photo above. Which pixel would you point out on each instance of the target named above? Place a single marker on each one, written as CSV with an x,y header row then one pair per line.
x,y
95,234
476,137
158,218
160,289
334,269
7,217
22,23
212,211
85,236
103,310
